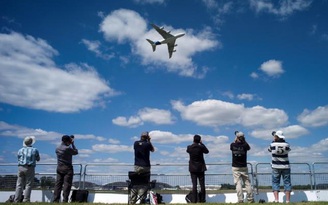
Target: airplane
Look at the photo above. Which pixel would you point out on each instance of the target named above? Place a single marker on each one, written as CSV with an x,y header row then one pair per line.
x,y
169,39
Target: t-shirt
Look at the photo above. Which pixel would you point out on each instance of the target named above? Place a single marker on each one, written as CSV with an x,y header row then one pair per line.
x,y
279,150
239,153
142,150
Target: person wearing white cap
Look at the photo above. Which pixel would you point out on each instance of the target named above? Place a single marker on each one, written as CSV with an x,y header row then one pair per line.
x,y
27,157
280,165
239,150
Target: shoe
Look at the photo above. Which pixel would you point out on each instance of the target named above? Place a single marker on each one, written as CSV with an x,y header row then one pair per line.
x,y
251,201
287,202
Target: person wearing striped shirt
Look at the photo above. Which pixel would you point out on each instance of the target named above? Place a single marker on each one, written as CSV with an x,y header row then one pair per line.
x,y
279,149
27,158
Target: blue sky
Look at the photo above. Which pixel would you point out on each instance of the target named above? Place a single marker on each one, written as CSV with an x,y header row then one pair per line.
x,y
85,68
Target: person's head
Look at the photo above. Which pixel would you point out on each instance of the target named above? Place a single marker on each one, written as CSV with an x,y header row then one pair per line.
x,y
28,141
240,136
144,136
278,135
66,139
197,139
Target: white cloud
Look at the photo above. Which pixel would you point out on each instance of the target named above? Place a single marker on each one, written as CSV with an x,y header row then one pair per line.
x,y
127,26
283,9
9,130
315,118
228,94
215,113
272,68
291,132
133,121
254,75
157,116
153,115
111,148
259,116
245,96
164,137
107,160
95,47
29,78
123,25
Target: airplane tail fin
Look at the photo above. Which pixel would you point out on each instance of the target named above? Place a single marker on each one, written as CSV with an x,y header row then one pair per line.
x,y
153,45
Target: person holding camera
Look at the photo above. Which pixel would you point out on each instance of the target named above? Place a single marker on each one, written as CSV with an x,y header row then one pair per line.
x,y
239,150
197,168
65,172
142,149
279,149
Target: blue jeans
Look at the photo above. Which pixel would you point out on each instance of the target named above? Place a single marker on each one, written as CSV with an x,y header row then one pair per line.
x,y
276,175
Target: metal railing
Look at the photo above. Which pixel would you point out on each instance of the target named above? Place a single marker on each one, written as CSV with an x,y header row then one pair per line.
x,y
320,176
301,176
172,177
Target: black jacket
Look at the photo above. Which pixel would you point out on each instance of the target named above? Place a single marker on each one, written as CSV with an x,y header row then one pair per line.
x,y
196,152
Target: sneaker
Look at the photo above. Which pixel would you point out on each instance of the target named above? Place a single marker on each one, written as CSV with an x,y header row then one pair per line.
x,y
287,202
251,201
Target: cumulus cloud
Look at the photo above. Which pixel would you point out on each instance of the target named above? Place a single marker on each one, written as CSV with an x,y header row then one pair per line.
x,y
272,68
152,115
29,78
215,113
315,118
10,130
291,132
111,148
280,8
127,26
165,137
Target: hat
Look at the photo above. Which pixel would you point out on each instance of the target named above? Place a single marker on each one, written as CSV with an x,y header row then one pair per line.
x,y
280,134
197,138
239,134
29,141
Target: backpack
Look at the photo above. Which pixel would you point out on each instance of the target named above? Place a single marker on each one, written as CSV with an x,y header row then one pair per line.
x,y
79,195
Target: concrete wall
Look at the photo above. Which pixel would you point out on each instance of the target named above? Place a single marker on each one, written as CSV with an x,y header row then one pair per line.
x,y
297,196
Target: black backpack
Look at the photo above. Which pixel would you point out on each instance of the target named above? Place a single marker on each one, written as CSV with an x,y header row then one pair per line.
x,y
80,196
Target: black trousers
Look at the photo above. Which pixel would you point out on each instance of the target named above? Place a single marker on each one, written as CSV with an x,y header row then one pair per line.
x,y
64,182
198,176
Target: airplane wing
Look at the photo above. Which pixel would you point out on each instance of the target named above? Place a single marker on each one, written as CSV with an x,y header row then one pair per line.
x,y
161,31
170,47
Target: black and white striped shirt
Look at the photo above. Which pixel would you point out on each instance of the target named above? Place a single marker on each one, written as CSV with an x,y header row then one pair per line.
x,y
279,150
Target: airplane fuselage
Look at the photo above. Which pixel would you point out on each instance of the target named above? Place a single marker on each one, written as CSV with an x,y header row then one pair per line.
x,y
170,39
